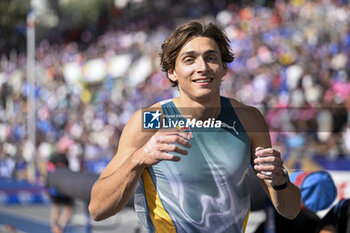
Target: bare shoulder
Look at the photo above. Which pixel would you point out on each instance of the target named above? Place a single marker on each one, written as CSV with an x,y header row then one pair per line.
x,y
133,137
250,117
134,134
254,123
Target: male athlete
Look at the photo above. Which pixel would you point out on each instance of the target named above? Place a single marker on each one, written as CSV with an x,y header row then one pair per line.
x,y
194,180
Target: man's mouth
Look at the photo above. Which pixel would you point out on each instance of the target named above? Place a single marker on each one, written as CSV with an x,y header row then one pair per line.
x,y
207,80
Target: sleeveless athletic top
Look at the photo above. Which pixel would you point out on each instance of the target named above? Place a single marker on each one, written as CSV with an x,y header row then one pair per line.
x,y
208,190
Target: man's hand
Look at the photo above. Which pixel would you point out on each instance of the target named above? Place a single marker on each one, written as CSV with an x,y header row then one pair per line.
x,y
269,165
161,143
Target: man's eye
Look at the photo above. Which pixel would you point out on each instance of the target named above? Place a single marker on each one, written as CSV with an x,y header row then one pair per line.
x,y
188,60
212,58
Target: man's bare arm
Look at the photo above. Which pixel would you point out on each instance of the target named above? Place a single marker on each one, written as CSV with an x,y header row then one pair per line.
x,y
286,201
268,166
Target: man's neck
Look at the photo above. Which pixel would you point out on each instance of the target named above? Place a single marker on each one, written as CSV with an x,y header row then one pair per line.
x,y
200,110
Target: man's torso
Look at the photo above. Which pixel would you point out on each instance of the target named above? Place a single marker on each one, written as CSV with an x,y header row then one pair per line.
x,y
207,191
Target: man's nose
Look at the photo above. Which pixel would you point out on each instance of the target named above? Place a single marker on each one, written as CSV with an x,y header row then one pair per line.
x,y
202,65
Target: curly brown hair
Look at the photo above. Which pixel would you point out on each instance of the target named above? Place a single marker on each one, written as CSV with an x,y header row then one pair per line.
x,y
185,32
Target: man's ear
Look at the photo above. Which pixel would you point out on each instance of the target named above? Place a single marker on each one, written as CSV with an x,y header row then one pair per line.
x,y
172,75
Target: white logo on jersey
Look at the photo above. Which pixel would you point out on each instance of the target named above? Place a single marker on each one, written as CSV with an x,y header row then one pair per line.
x,y
224,125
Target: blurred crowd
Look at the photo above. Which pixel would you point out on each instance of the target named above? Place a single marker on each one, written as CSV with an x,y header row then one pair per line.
x,y
291,61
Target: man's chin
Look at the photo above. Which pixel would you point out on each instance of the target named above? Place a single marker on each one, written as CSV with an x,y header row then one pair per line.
x,y
204,95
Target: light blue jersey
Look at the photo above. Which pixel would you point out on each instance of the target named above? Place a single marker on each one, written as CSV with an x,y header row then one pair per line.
x,y
208,190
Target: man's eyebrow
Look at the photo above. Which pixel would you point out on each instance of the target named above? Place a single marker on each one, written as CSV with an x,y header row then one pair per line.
x,y
194,52
211,51
188,53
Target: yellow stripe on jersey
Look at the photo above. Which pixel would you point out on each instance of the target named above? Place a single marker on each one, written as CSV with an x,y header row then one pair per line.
x,y
160,218
246,221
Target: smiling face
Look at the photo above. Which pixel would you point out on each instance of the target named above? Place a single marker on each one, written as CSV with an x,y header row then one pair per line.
x,y
198,69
